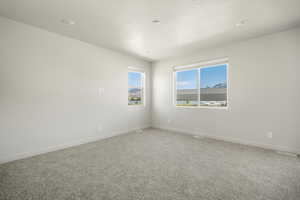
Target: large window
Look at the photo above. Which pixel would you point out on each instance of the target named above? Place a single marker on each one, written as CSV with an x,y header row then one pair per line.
x,y
136,88
204,86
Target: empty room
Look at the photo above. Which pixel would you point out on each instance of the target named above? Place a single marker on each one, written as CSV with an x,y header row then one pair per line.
x,y
149,100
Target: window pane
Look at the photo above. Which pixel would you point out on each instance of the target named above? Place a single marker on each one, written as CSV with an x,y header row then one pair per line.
x,y
135,88
187,88
213,82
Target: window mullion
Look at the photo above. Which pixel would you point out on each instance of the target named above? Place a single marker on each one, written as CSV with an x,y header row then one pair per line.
x,y
143,88
199,86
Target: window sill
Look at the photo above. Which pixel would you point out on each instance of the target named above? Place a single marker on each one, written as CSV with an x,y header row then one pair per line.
x,y
205,107
136,106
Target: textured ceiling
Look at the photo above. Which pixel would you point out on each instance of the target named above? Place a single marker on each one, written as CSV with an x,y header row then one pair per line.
x,y
185,25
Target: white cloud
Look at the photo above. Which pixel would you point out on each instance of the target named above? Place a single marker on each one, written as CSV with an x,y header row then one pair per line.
x,y
182,83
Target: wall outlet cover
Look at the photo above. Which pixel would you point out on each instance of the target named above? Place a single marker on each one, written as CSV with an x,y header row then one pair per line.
x,y
270,134
139,131
101,91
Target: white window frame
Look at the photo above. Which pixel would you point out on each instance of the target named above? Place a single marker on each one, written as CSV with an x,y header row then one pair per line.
x,y
143,73
198,66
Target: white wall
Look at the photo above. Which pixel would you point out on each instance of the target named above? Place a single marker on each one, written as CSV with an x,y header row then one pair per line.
x,y
50,98
264,94
49,88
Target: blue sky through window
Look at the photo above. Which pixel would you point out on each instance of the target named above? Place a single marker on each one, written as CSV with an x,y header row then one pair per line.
x,y
187,79
209,77
134,79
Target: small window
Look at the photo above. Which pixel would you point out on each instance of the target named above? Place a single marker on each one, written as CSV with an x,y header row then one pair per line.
x,y
204,86
136,88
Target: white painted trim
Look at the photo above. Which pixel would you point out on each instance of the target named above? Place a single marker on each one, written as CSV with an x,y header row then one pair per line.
x,y
174,83
208,63
65,145
206,107
136,69
232,140
143,73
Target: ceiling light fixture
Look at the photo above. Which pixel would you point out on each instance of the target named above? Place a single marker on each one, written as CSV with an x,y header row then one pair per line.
x,y
67,21
241,23
155,21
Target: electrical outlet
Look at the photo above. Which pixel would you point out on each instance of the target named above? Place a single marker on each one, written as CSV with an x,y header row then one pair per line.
x,y
101,91
270,135
139,131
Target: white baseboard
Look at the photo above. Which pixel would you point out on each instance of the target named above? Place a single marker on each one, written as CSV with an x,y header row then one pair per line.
x,y
232,140
65,145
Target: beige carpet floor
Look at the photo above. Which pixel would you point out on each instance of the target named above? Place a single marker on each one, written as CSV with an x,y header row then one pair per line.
x,y
156,164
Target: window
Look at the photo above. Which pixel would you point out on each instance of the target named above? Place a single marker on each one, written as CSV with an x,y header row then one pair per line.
x,y
204,86
187,83
136,88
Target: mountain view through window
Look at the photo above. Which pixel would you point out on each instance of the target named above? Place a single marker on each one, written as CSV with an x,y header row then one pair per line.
x,y
205,86
135,88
